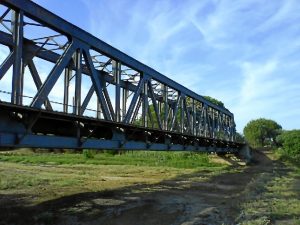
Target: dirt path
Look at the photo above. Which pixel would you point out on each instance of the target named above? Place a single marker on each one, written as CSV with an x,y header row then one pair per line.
x,y
193,199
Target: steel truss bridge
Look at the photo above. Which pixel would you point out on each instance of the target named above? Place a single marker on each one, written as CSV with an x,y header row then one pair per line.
x,y
61,87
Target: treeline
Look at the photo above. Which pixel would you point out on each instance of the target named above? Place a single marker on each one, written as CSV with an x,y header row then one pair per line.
x,y
268,133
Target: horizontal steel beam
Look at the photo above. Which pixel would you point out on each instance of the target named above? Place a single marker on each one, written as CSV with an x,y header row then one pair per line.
x,y
44,141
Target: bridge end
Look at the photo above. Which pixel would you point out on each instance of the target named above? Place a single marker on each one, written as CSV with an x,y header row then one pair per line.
x,y
245,153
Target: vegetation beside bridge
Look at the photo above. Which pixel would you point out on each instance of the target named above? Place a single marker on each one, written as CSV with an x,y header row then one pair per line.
x,y
262,133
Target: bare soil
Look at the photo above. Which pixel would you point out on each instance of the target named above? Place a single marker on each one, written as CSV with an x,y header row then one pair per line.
x,y
193,199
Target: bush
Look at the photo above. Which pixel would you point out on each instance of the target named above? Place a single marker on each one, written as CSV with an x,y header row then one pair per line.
x,y
88,154
290,142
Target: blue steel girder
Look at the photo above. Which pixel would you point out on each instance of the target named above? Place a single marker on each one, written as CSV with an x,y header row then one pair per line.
x,y
149,99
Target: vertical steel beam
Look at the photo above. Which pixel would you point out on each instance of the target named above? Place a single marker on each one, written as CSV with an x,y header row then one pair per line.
x,y
156,108
175,111
78,78
205,121
225,128
209,122
170,116
145,105
18,70
159,107
218,126
67,77
116,68
166,107
213,123
182,114
232,129
228,127
124,102
194,111
201,127
188,117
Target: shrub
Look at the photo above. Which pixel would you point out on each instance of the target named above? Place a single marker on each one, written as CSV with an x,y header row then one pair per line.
x,y
88,154
290,142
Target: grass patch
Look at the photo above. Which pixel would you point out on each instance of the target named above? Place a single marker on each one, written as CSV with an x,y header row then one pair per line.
x,y
51,175
19,181
186,160
42,182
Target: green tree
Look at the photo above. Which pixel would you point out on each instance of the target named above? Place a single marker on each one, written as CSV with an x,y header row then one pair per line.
x,y
214,101
261,132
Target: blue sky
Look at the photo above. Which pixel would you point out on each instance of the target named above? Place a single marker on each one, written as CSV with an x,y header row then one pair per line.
x,y
244,53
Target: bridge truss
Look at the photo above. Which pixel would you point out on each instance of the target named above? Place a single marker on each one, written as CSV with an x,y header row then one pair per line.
x,y
61,87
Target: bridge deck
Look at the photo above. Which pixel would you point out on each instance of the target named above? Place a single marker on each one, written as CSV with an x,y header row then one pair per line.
x,y
49,129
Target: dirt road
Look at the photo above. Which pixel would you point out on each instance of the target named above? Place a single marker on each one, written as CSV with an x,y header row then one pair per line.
x,y
192,199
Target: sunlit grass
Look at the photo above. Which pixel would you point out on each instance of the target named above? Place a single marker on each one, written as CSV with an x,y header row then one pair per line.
x,y
277,199
50,175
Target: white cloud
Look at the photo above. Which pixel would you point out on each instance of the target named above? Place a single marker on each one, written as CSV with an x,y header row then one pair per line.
x,y
265,93
284,12
257,82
